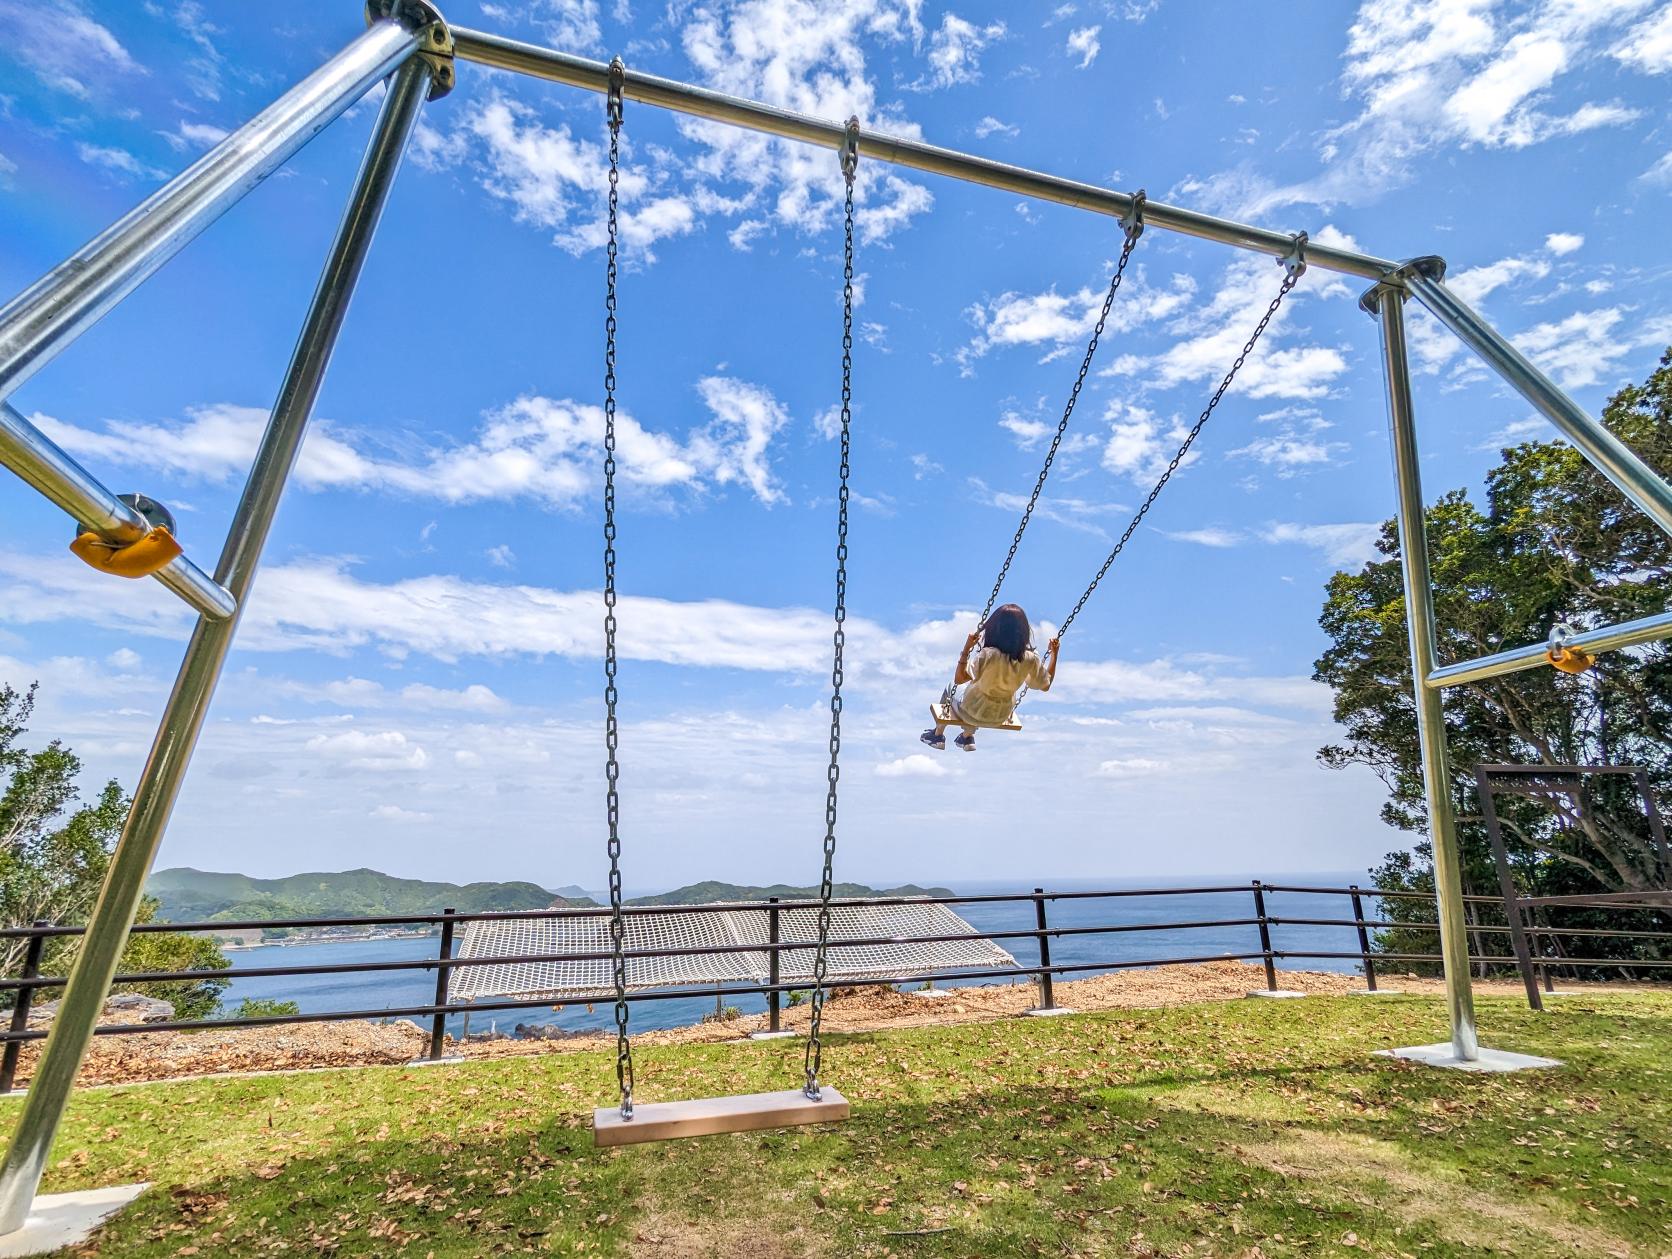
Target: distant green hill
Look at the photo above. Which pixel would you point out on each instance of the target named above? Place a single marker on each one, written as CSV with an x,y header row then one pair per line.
x,y
189,895
572,892
709,891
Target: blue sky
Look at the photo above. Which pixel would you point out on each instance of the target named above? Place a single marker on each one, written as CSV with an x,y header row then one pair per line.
x,y
417,682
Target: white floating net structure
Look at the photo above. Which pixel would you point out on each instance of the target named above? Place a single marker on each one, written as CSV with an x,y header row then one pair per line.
x,y
563,937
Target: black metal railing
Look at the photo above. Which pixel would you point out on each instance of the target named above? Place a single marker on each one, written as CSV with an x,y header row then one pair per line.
x,y
1266,924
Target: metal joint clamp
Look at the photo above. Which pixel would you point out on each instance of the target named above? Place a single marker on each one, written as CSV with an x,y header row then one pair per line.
x,y
850,149
618,86
1132,222
1294,262
435,37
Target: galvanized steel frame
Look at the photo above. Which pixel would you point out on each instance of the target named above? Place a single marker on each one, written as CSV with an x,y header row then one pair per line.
x,y
410,37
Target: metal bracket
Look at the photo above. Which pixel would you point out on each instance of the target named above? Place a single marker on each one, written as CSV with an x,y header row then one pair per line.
x,y
617,90
850,149
435,43
1132,222
1294,262
1431,265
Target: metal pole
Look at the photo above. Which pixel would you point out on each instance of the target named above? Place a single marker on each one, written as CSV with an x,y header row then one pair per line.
x,y
20,1008
1610,456
438,1024
1646,629
1047,993
70,298
160,780
33,456
1368,962
774,999
558,67
1419,621
1265,936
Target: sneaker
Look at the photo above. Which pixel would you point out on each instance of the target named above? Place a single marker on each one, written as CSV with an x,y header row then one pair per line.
x,y
966,742
936,741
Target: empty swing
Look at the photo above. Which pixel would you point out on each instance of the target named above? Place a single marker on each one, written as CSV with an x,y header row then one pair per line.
x,y
627,1123
945,711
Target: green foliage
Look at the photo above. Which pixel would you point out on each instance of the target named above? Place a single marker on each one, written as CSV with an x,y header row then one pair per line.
x,y
710,891
1215,1129
188,895
1554,542
265,1008
52,866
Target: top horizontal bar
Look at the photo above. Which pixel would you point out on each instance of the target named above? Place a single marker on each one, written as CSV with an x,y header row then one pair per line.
x,y
558,67
1646,629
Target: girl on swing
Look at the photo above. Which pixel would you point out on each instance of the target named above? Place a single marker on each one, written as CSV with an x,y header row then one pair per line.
x,y
991,680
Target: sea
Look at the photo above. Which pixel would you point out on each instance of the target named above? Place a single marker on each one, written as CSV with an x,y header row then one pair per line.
x,y
390,990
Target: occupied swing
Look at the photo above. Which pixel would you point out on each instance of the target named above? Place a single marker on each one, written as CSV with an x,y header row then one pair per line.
x,y
627,1124
998,675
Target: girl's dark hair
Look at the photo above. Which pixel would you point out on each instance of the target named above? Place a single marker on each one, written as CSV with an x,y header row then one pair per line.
x,y
1009,631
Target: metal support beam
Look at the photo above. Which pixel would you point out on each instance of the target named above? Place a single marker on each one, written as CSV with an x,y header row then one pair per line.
x,y
33,456
37,324
1610,456
159,783
558,67
1419,622
1646,629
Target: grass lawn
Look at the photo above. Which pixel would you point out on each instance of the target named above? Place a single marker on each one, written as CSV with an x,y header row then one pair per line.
x,y
1246,1128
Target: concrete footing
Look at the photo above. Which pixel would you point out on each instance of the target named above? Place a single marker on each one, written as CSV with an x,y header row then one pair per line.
x,y
1377,992
1277,994
1051,1013
446,1060
57,1220
1491,1061
782,1035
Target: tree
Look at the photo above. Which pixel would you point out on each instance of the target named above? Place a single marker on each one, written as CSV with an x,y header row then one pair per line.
x,y
52,865
1555,542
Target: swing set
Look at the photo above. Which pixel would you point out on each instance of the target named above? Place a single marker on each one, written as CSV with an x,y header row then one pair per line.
x,y
409,44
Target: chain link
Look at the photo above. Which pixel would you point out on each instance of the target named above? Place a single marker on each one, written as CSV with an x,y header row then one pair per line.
x,y
1134,227
815,1048
1289,280
612,770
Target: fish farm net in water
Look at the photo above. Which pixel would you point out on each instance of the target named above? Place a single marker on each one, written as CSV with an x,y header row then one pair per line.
x,y
561,975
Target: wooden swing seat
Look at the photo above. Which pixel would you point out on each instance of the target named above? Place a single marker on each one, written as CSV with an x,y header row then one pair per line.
x,y
702,1117
941,713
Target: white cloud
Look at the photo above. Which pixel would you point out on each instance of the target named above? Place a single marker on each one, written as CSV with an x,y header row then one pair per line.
x,y
394,813
123,659
1138,446
357,749
533,447
1584,348
1132,767
119,160
1085,45
1661,171
807,57
916,765
193,135
501,556
1443,74
990,126
955,51
1210,536
1287,452
1214,332
1648,46
1064,321
1350,544
65,48
570,25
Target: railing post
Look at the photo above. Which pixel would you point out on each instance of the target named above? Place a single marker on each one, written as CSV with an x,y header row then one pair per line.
x,y
1265,936
438,1022
1363,940
774,999
1047,991
20,1009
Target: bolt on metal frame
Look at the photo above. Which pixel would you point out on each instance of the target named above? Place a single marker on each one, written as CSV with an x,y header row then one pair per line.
x,y
409,40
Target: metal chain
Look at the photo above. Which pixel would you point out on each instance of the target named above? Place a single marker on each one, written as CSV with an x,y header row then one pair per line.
x,y
1294,272
1134,228
612,770
815,1049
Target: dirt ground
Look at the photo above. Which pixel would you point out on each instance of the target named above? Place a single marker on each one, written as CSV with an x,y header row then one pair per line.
x,y
302,1046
